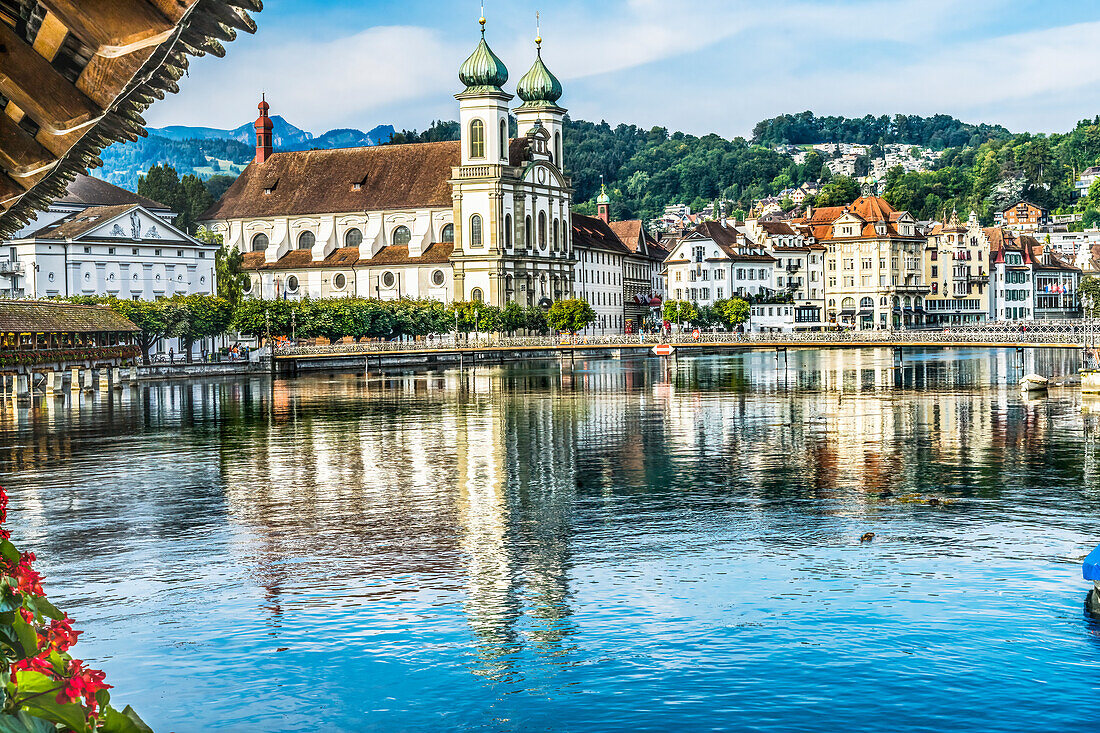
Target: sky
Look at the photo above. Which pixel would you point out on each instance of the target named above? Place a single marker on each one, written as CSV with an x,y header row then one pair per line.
x,y
699,66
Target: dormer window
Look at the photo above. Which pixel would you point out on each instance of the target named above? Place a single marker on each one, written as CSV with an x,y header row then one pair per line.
x,y
357,185
270,187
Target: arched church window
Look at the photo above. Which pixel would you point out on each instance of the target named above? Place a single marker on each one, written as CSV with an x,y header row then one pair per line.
x,y
504,140
259,242
402,236
477,139
306,240
542,230
507,230
554,241
475,230
557,150
448,234
528,238
353,238
476,295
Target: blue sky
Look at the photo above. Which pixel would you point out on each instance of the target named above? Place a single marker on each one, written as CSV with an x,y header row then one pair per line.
x,y
695,65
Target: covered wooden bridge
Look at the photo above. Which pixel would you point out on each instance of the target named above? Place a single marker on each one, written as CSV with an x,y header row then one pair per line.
x,y
47,336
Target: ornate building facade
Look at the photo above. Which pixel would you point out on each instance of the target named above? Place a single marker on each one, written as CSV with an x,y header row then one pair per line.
x,y
485,218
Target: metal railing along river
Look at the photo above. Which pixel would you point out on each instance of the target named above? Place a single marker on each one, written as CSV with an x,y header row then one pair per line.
x,y
1067,332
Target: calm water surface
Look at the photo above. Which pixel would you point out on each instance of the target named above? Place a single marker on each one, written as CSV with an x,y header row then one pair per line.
x,y
631,545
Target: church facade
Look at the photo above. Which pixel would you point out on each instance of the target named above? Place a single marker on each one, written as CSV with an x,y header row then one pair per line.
x,y
485,218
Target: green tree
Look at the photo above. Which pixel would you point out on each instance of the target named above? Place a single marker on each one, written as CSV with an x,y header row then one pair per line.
x,y
534,319
571,315
191,318
152,317
842,190
512,317
253,315
734,311
231,279
680,311
1089,290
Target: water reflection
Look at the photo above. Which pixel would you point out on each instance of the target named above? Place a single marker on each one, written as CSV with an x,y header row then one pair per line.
x,y
483,548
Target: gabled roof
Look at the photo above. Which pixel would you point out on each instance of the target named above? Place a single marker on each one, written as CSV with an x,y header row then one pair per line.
x,y
342,180
45,316
593,233
89,191
632,233
729,241
80,222
392,255
870,210
83,75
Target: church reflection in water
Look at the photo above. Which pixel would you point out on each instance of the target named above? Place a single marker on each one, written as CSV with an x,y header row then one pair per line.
x,y
489,483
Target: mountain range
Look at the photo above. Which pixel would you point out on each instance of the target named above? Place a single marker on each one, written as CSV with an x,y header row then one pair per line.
x,y
211,151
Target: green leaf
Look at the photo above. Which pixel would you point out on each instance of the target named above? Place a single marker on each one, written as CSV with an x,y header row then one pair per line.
x,y
28,637
9,601
24,722
112,721
47,609
38,696
8,551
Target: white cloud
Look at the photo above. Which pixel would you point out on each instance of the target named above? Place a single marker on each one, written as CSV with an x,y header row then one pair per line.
x,y
698,65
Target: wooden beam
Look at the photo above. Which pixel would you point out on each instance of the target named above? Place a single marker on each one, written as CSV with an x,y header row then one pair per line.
x,y
113,27
103,77
9,190
38,89
51,34
19,152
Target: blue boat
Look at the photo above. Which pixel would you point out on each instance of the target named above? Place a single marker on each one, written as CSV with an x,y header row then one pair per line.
x,y
1091,567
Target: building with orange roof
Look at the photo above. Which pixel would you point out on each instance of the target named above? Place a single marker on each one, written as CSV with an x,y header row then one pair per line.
x,y
874,264
957,263
1029,281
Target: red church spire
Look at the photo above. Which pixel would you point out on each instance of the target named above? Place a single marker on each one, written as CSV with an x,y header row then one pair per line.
x,y
263,132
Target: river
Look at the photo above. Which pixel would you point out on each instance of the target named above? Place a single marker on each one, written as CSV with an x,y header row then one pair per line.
x,y
628,545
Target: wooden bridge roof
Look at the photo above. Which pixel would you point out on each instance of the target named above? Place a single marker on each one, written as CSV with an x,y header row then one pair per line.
x,y
42,316
75,77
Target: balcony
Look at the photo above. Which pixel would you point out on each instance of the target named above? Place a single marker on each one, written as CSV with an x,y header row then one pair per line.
x,y
9,268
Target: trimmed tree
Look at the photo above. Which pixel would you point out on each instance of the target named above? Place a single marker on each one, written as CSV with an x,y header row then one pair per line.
x,y
572,315
733,311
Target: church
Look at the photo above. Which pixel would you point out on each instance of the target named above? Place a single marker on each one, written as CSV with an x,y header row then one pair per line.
x,y
485,218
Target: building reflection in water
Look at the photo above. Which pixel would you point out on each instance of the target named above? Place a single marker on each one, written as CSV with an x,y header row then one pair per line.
x,y
487,484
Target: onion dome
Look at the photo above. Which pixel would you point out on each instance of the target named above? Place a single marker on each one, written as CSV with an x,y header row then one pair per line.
x,y
603,198
538,87
483,72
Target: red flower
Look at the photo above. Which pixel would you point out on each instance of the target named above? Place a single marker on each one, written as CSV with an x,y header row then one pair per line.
x,y
82,683
34,664
61,636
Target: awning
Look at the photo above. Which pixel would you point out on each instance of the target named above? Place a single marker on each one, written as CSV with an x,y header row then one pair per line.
x,y
847,312
867,312
655,301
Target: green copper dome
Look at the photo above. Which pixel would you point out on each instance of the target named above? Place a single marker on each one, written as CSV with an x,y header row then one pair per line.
x,y
603,198
483,72
538,87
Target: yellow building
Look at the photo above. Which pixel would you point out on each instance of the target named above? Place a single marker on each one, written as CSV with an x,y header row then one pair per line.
x,y
957,263
874,266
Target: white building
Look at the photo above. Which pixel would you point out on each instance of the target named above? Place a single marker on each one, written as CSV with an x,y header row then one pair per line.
x,y
1028,280
1084,182
715,262
799,268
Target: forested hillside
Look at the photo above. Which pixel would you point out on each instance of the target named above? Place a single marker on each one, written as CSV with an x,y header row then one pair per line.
x,y
938,132
645,170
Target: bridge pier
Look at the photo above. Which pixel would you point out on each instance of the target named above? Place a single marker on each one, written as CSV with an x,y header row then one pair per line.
x,y
22,386
55,383
103,379
74,379
87,377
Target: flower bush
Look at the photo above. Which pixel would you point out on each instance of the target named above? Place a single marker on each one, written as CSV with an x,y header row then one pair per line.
x,y
42,687
31,356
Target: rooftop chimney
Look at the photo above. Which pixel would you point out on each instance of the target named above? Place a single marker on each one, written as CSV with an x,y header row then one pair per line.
x,y
263,132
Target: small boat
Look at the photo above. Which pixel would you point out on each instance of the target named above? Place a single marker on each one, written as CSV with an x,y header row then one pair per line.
x,y
1033,383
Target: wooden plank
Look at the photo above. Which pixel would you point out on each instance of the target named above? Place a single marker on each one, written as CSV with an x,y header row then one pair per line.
x,y
28,80
9,189
13,111
19,152
113,27
50,36
103,78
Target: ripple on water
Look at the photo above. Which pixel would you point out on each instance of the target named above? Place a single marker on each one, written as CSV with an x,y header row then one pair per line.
x,y
640,545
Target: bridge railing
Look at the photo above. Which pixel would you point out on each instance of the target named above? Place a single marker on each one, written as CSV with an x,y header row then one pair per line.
x,y
1035,332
